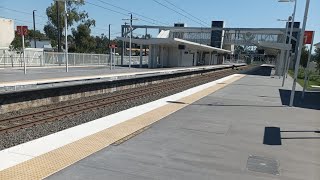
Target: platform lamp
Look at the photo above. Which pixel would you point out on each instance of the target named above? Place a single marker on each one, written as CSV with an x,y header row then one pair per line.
x,y
66,30
288,56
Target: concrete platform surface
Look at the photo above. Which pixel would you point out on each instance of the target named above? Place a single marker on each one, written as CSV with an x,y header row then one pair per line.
x,y
9,75
13,80
13,75
226,135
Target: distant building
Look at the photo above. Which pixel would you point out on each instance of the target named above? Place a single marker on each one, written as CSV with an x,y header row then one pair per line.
x,y
6,32
43,44
317,45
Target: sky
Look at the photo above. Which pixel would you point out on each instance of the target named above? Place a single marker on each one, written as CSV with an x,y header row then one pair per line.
x,y
236,13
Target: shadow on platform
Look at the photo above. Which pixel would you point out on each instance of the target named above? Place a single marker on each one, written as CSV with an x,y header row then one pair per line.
x,y
311,100
223,105
252,85
272,136
261,71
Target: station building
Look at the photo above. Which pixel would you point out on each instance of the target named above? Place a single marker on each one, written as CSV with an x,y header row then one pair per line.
x,y
180,46
6,32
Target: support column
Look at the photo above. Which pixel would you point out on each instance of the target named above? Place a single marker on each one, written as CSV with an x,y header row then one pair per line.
x,y
280,65
161,56
150,61
141,52
153,53
123,45
180,59
195,58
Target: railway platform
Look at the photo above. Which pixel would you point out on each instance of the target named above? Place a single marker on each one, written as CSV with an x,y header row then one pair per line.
x,y
12,80
238,127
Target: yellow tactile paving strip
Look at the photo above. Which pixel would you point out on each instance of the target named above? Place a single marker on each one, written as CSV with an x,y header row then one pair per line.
x,y
56,160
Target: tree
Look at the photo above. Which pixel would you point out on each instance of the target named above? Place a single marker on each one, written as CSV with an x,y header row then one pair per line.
x,y
16,44
304,57
83,41
239,50
102,43
148,36
74,16
317,59
37,35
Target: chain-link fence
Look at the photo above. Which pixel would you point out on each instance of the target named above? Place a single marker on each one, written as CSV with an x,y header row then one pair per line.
x,y
15,58
41,59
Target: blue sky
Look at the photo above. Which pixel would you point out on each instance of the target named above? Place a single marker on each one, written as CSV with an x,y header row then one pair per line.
x,y
236,13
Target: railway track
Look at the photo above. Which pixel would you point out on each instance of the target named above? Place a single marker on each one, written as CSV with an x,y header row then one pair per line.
x,y
54,114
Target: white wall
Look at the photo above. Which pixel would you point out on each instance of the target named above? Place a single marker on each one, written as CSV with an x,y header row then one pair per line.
x,y
187,60
207,59
174,57
6,32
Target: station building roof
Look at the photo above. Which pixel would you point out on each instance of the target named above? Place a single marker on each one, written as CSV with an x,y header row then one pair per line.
x,y
175,42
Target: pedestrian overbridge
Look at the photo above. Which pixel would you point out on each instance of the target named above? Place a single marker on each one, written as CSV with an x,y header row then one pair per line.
x,y
272,42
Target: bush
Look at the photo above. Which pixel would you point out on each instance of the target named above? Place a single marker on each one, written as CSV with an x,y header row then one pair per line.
x,y
301,73
311,74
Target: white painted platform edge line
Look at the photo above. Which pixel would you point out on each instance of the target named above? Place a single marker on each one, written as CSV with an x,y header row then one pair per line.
x,y
54,141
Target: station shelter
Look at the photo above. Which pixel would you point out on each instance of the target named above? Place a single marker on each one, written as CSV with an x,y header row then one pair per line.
x,y
174,52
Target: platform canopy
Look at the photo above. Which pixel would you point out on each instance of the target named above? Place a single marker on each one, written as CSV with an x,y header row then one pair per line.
x,y
175,42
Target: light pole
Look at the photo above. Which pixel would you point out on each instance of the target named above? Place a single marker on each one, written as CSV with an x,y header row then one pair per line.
x,y
66,30
111,55
288,56
288,51
131,31
34,28
299,52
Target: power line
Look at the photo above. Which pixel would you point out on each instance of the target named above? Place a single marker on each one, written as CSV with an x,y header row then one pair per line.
x,y
115,11
132,12
22,12
177,12
19,20
185,12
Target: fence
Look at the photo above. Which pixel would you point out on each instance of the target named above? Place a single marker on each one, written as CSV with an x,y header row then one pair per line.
x,y
33,57
41,59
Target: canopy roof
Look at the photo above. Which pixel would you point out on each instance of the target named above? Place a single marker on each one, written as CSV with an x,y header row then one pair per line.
x,y
174,43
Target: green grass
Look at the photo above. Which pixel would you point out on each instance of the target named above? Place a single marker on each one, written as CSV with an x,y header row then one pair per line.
x,y
301,81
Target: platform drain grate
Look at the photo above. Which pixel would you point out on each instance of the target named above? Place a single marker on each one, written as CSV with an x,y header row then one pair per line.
x,y
263,165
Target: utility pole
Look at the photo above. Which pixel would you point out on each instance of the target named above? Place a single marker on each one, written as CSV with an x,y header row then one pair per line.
x,y
125,43
59,29
289,53
110,56
145,49
66,34
34,29
24,58
130,41
131,32
299,53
